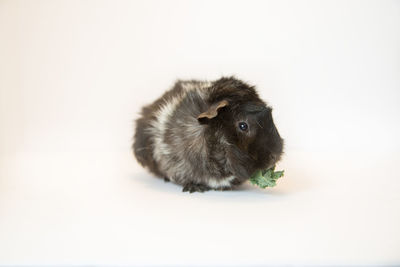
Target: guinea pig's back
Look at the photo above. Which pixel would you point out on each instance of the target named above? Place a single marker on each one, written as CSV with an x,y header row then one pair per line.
x,y
168,138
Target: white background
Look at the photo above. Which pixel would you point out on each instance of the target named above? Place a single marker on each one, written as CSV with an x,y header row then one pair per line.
x,y
74,74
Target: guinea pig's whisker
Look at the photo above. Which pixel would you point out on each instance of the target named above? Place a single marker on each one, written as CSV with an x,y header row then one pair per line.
x,y
142,148
259,125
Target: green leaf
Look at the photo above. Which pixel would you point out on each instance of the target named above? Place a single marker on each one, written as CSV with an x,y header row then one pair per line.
x,y
257,175
266,178
278,174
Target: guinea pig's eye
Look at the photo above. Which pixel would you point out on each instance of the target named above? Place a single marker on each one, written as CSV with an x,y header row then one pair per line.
x,y
243,126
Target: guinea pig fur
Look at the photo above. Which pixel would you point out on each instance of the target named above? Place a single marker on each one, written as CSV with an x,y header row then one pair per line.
x,y
207,135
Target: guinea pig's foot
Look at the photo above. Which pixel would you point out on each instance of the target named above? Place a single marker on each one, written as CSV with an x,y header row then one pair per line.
x,y
192,187
166,179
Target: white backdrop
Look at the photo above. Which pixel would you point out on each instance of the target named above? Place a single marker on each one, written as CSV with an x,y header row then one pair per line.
x,y
74,74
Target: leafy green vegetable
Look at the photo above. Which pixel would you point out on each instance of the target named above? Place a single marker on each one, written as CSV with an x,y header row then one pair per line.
x,y
266,178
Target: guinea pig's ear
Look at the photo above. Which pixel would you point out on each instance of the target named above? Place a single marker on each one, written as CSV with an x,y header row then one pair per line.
x,y
212,111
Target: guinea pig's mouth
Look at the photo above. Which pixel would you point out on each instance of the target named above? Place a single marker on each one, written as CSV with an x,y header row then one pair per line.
x,y
273,159
269,162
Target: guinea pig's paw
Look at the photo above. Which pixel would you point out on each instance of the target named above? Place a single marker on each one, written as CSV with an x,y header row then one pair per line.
x,y
193,187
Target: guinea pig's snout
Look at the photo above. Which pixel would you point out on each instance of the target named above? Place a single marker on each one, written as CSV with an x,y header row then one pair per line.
x,y
273,158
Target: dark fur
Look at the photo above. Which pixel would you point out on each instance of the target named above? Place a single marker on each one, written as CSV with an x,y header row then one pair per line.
x,y
230,151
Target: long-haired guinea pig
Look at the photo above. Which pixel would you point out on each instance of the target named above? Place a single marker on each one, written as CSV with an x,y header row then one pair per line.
x,y
207,135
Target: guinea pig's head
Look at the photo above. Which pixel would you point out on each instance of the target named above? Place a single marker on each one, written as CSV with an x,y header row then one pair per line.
x,y
245,124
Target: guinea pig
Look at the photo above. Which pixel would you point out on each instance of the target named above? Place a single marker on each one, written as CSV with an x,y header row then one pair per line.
x,y
207,135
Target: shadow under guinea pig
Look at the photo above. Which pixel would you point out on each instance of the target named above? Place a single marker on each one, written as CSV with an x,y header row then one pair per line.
x,y
292,183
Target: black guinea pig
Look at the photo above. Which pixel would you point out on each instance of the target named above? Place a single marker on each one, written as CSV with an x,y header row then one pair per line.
x,y
207,135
